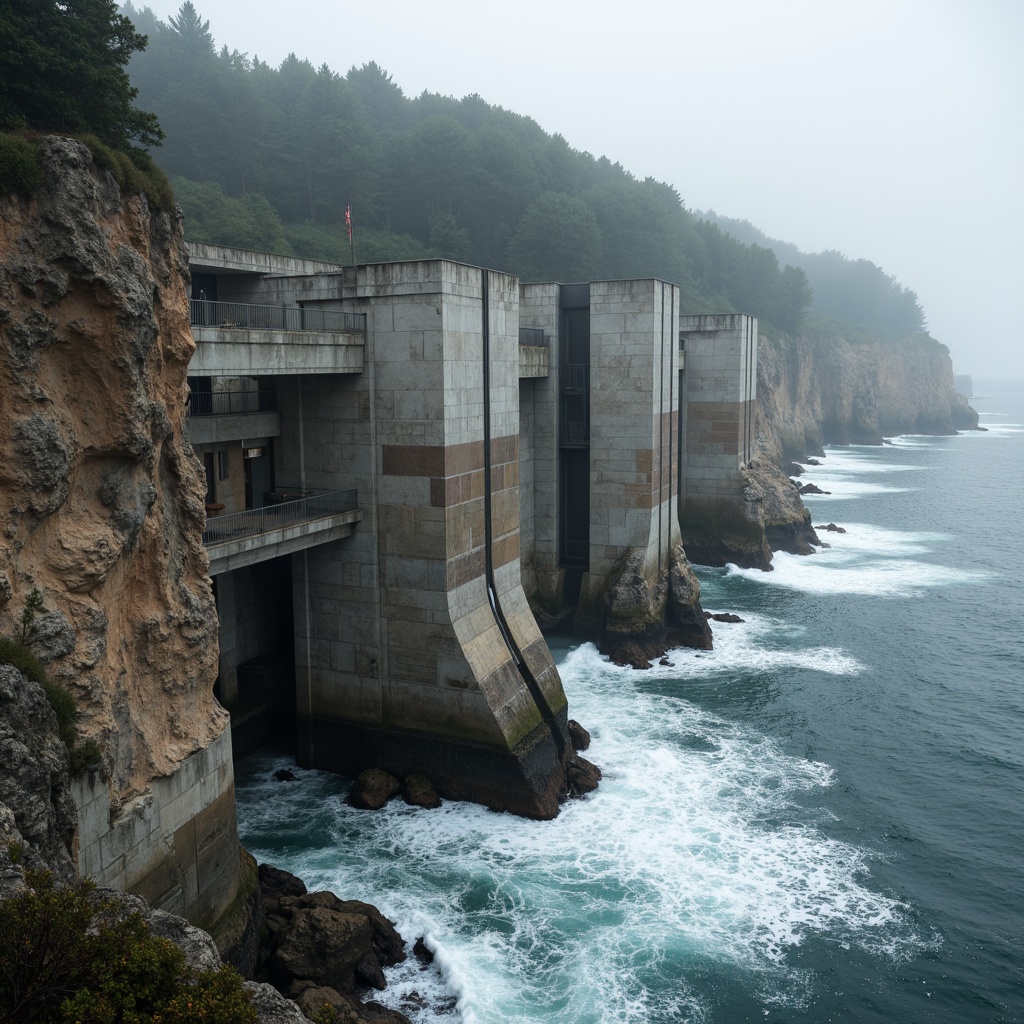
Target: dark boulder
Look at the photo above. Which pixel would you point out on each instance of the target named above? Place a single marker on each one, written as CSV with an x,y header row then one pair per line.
x,y
581,777
275,883
812,489
578,736
321,945
724,616
420,951
372,789
418,791
284,775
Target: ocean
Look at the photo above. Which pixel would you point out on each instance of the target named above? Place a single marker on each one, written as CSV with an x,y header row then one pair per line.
x,y
822,819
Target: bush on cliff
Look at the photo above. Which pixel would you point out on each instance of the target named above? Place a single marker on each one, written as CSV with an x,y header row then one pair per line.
x,y
81,756
69,954
134,171
19,166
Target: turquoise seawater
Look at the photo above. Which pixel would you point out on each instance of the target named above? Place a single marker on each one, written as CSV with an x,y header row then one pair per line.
x,y
822,819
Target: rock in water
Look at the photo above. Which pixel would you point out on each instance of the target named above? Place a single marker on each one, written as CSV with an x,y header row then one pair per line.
x,y
372,789
578,736
581,776
418,791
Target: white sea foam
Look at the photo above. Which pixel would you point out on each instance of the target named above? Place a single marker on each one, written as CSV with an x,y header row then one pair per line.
x,y
694,857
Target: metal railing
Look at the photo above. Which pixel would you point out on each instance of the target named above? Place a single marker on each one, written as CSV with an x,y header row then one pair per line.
x,y
532,336
576,375
230,403
243,315
236,525
575,431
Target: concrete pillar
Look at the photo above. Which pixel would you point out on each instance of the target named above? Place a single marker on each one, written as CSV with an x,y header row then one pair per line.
x,y
719,382
406,658
634,440
543,575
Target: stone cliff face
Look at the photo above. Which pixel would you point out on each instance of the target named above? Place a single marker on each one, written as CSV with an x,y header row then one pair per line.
x,y
830,391
101,501
816,392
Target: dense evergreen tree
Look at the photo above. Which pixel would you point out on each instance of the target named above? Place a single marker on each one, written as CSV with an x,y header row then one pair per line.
x,y
557,239
63,69
845,291
275,155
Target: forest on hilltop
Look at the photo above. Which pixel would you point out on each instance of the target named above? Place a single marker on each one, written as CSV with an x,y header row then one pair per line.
x,y
268,158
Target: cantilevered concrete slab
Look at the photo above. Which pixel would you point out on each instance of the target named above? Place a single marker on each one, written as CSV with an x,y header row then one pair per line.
x,y
236,552
240,352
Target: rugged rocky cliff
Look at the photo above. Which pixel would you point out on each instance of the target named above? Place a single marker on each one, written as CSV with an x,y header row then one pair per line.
x,y
101,502
812,392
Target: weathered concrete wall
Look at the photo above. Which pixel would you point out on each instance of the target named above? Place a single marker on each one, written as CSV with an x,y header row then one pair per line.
x,y
176,846
542,574
400,660
719,384
634,402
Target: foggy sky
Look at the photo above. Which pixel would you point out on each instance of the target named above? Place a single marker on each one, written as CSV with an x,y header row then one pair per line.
x,y
890,130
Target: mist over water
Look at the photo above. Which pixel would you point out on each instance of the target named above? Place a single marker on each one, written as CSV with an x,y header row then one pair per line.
x,y
818,820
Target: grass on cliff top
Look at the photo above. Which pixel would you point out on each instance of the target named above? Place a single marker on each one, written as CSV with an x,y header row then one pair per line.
x,y
134,169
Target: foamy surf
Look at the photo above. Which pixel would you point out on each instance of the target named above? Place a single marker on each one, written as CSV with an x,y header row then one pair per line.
x,y
702,850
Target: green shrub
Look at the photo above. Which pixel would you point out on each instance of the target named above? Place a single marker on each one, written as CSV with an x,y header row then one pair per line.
x,y
84,756
69,955
81,756
134,171
19,166
14,652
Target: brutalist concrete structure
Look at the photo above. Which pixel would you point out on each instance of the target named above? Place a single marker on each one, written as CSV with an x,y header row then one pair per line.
x,y
604,533
434,457
413,645
719,386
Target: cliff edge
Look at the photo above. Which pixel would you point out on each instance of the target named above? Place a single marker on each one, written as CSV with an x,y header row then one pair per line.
x,y
101,502
813,392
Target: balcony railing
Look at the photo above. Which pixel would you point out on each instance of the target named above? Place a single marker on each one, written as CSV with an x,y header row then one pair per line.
x,y
242,315
230,403
237,525
532,336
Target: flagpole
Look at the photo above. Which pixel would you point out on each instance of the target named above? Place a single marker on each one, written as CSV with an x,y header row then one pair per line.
x,y
348,225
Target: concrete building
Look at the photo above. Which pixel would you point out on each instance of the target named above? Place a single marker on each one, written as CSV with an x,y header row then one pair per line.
x,y
401,459
719,389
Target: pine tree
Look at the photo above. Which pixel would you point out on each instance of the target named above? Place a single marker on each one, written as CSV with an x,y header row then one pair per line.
x,y
62,69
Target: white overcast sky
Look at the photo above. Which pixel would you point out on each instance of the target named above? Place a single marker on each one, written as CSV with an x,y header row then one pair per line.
x,y
891,130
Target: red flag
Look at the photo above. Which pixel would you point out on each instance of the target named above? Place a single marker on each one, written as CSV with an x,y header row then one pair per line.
x,y
348,221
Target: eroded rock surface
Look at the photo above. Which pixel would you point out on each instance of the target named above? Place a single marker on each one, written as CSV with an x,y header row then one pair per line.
x,y
101,498
645,617
37,813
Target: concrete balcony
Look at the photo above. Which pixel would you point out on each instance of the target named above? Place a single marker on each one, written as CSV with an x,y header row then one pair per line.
x,y
223,416
259,534
236,339
534,353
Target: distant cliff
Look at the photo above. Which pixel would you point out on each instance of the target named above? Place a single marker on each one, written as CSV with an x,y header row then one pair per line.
x,y
813,392
825,391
